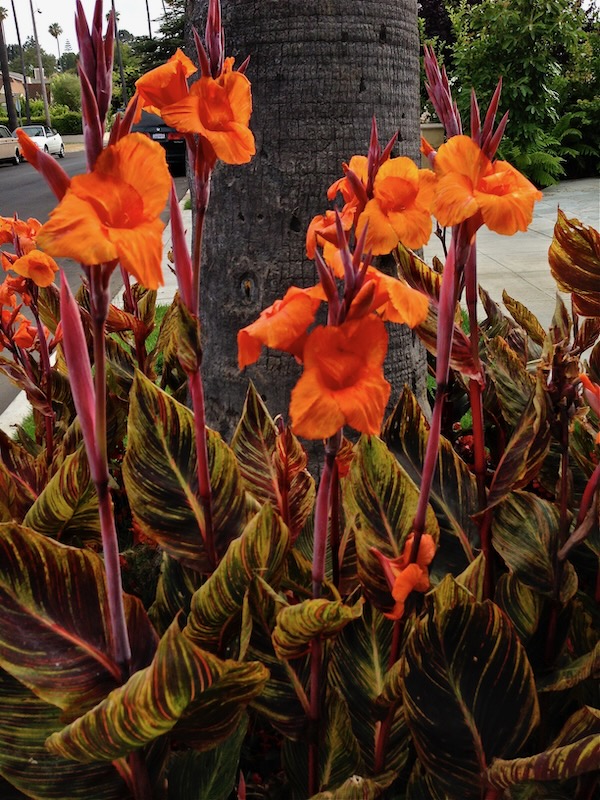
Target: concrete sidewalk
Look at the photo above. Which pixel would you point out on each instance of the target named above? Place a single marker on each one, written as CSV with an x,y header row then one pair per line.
x,y
516,263
519,263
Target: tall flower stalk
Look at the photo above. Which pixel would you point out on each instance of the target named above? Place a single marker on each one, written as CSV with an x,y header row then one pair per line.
x,y
213,114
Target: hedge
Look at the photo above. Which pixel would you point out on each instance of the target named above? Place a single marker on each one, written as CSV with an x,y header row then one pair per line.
x,y
65,124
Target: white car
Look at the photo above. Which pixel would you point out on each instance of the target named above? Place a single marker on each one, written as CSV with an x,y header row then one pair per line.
x,y
9,146
47,139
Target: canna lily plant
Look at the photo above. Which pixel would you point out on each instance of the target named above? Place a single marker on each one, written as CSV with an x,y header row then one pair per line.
x,y
185,618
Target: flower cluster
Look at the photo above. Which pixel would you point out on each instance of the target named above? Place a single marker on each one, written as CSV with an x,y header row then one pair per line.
x,y
27,260
404,576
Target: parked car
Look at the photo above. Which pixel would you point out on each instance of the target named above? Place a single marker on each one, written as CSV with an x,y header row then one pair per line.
x,y
47,139
9,146
171,140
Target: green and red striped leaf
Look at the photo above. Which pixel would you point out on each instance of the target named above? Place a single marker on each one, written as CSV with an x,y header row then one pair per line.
x,y
160,476
183,683
381,501
574,259
523,316
273,464
454,489
365,644
26,721
469,691
67,508
260,550
54,628
512,382
523,529
526,450
297,625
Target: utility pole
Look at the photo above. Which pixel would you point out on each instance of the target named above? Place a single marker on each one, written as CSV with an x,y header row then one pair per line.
x,y
8,95
25,87
40,67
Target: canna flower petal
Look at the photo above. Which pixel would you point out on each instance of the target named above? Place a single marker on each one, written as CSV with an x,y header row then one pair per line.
x,y
471,186
395,301
322,229
400,209
343,380
281,326
112,212
405,577
360,167
38,266
165,85
219,110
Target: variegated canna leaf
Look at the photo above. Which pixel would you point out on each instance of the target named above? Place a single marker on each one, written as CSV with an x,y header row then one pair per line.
x,y
523,316
159,472
365,644
521,604
465,666
526,450
381,501
260,550
298,624
339,755
574,752
273,464
523,528
358,788
454,489
182,681
574,258
581,669
54,627
211,774
417,273
67,508
26,763
514,386
176,586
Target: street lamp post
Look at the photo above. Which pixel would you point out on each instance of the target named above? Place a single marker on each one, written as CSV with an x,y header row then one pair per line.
x,y
40,67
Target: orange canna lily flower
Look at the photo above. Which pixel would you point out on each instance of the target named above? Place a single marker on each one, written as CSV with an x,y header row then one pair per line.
x,y
322,231
114,211
219,110
405,577
23,230
38,266
164,85
26,333
281,326
392,300
359,166
470,186
400,210
343,381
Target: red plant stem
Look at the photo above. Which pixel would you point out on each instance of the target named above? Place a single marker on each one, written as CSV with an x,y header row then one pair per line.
x,y
334,506
563,532
110,544
493,794
459,251
316,653
447,304
202,174
485,529
204,488
383,734
322,509
47,373
588,495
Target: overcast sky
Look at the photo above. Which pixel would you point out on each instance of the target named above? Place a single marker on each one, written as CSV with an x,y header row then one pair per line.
x,y
132,17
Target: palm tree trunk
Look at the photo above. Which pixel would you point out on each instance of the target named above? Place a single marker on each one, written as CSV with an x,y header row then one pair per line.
x,y
319,72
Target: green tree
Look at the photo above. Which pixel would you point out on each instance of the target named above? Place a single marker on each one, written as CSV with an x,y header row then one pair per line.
x,y
527,43
30,58
171,34
55,30
66,90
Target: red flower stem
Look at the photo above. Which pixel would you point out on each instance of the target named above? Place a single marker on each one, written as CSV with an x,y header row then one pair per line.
x,y
563,532
447,305
202,466
322,507
202,176
99,301
588,495
47,373
334,506
383,734
316,653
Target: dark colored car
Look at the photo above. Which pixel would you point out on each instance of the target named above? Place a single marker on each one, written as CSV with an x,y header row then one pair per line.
x,y
172,141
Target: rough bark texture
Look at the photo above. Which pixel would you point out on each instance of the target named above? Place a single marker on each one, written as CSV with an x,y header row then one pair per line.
x,y
320,69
